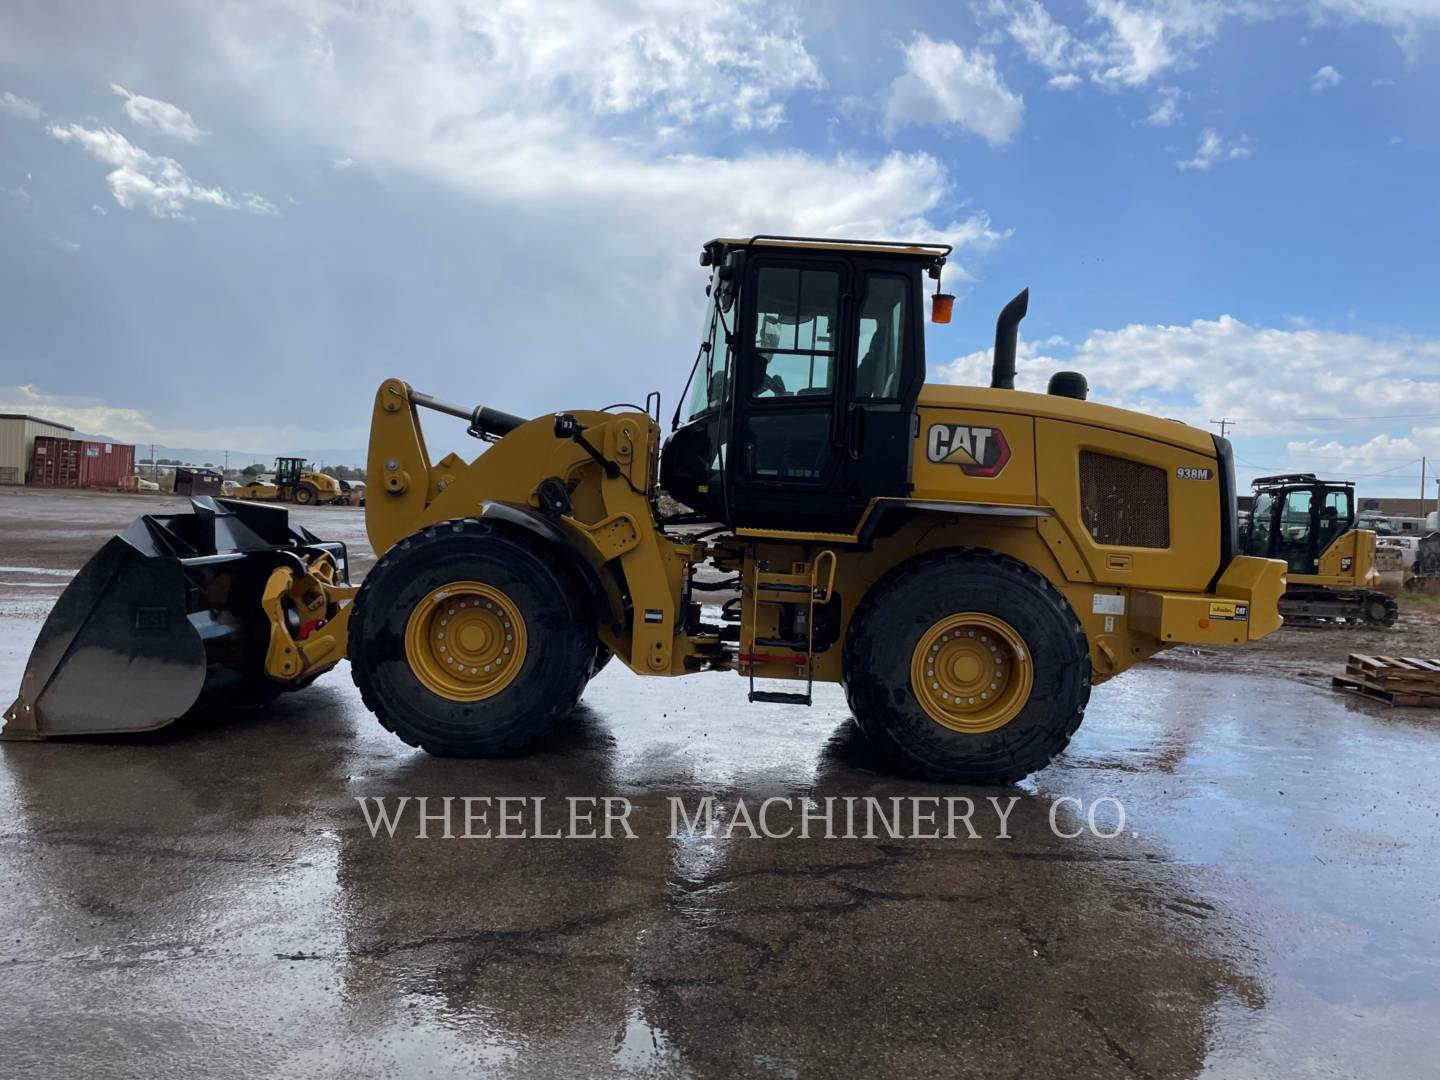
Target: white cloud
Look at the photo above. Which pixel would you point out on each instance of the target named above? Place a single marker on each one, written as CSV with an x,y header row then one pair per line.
x,y
66,245
85,414
142,181
945,84
24,108
507,103
1040,37
1131,43
1121,44
339,164
93,416
1214,148
159,115
1139,44
694,62
1405,17
1376,456
1166,110
1273,381
682,62
1324,79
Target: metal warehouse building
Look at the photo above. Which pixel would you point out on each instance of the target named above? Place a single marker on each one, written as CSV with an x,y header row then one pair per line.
x,y
17,443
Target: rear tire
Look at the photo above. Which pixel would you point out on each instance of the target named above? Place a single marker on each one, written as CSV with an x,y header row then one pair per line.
x,y
306,495
557,631
898,621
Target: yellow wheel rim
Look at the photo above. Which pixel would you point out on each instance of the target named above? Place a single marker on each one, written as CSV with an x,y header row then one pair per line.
x,y
971,672
465,641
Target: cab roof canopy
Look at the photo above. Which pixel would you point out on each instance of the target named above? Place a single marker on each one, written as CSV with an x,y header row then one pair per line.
x,y
932,255
1296,478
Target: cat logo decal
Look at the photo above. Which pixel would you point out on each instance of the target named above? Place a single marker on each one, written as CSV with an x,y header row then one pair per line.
x,y
979,451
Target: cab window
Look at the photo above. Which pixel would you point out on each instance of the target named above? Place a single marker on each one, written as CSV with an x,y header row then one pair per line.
x,y
1294,544
1259,543
1295,516
796,320
1334,517
712,373
880,340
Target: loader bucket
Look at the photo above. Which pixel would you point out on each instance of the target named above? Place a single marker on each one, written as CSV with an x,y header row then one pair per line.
x,y
166,616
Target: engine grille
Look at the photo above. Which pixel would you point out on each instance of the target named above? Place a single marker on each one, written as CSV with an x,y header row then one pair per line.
x,y
1124,502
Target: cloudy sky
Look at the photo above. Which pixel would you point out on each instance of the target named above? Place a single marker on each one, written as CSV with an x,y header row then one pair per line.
x,y
224,223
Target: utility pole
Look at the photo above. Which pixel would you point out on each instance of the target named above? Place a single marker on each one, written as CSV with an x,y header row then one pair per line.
x,y
154,467
1224,423
1422,485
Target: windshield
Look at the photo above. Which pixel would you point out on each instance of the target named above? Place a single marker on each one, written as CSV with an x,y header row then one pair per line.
x,y
707,381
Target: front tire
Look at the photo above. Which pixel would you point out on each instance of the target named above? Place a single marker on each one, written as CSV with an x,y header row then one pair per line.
x,y
467,640
967,667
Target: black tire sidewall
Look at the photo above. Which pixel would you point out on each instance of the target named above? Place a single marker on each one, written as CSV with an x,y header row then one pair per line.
x,y
560,644
897,613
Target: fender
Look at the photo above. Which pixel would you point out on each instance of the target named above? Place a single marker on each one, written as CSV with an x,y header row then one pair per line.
x,y
609,605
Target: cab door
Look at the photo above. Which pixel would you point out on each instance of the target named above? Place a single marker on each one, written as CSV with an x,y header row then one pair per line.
x,y
827,377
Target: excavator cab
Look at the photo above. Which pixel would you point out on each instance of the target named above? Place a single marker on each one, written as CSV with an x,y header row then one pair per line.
x,y
1296,518
812,357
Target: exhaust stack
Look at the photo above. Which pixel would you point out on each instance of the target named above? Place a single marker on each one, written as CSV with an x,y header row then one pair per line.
x,y
1007,335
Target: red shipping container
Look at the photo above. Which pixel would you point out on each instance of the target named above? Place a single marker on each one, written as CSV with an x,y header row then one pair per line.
x,y
104,465
55,462
73,463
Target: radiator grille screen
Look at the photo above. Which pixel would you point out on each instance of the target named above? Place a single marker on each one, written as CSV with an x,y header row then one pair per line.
x,y
1124,502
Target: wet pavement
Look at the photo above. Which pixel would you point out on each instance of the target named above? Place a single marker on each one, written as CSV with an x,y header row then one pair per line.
x,y
208,900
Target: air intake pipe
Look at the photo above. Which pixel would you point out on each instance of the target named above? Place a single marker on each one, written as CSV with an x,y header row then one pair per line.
x,y
1007,335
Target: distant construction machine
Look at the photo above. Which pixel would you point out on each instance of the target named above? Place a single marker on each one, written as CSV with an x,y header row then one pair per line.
x,y
1309,524
295,482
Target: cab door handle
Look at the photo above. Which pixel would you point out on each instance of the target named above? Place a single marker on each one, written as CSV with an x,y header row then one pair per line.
x,y
855,435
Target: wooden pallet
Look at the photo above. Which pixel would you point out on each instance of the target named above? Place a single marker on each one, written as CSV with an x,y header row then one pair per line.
x,y
1395,680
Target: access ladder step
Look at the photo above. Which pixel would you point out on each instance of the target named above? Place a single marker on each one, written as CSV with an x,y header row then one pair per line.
x,y
783,586
779,697
800,645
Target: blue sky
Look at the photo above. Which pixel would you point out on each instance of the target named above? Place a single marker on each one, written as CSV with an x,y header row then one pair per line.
x,y
1222,208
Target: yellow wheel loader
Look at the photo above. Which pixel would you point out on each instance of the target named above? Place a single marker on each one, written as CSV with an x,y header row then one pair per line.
x,y
967,562
296,482
1331,574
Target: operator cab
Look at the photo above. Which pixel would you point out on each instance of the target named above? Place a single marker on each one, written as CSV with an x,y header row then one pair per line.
x,y
812,357
288,470
1295,517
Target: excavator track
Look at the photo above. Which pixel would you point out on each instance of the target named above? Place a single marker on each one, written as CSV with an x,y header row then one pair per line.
x,y
1333,607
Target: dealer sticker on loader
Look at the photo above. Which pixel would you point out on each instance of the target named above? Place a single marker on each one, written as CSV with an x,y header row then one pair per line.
x,y
967,612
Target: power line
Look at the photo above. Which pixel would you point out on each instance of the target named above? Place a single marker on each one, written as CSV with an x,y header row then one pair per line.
x,y
1298,419
1358,476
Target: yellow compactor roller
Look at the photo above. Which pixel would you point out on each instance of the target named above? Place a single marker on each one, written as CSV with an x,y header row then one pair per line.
x,y
294,481
967,562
